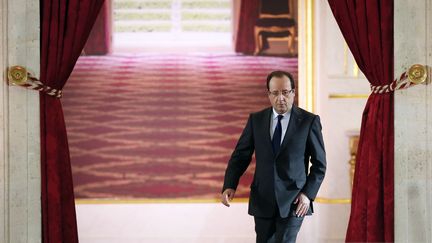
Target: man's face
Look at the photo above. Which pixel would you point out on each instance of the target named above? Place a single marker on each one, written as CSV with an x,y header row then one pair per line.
x,y
280,94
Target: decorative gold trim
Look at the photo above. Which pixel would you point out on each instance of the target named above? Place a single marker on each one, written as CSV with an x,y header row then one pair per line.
x,y
310,84
348,96
186,200
353,146
345,61
356,70
417,73
17,75
324,200
277,38
275,16
156,200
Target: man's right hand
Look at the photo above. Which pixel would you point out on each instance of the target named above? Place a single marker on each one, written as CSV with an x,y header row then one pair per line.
x,y
227,196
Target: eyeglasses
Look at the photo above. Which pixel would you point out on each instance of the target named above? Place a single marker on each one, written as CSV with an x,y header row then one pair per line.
x,y
285,93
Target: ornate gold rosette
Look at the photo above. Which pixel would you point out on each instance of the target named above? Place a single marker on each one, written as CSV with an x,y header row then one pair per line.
x,y
17,75
417,73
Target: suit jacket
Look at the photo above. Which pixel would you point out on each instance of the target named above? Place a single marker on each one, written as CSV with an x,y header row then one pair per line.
x,y
279,178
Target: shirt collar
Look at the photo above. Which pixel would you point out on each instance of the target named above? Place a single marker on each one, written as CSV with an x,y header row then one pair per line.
x,y
275,114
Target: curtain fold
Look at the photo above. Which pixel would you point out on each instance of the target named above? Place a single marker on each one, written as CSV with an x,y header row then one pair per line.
x,y
245,40
65,26
99,41
367,27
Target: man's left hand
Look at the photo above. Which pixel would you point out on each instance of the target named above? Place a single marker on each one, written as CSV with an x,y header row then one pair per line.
x,y
303,204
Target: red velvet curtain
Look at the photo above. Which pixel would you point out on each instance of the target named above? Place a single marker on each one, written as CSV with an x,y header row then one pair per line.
x,y
65,26
367,26
99,41
245,40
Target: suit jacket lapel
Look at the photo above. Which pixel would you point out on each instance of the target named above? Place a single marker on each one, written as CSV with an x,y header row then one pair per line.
x,y
265,124
294,122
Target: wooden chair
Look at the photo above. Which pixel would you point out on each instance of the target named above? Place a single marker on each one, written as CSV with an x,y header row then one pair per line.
x,y
276,20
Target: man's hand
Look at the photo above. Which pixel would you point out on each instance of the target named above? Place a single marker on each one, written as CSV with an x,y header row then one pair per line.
x,y
303,204
227,196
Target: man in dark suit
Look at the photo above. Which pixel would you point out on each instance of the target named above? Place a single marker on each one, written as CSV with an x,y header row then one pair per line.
x,y
285,139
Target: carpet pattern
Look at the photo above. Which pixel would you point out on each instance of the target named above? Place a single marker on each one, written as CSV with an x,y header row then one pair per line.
x,y
161,126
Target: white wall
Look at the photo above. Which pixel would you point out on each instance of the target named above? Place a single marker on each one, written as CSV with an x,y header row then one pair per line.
x,y
335,75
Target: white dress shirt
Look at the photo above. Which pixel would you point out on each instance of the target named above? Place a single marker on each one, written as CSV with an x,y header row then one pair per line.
x,y
284,123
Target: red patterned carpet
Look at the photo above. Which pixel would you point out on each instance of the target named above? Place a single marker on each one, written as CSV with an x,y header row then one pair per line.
x,y
161,126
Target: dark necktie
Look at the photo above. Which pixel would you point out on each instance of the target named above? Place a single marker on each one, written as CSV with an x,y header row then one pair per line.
x,y
277,135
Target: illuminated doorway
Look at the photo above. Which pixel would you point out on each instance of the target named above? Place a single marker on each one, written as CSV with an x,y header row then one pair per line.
x,y
174,26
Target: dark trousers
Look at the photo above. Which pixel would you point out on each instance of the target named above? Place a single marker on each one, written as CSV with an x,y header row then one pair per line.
x,y
277,229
